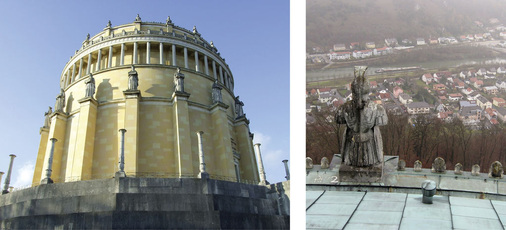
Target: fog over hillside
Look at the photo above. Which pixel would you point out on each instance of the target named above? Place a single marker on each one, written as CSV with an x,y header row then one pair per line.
x,y
341,21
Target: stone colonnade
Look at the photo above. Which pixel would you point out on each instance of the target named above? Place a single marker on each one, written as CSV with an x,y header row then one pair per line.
x,y
106,56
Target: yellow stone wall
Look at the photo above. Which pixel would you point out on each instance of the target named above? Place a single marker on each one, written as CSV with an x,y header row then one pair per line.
x,y
161,138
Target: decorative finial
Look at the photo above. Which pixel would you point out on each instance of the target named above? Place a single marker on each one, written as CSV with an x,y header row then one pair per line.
x,y
195,29
138,18
109,24
168,20
212,44
88,37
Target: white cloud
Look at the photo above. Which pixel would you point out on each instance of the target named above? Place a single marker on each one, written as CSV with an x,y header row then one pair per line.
x,y
271,158
23,176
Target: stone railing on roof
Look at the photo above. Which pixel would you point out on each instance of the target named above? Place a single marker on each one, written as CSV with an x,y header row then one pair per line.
x,y
395,174
184,37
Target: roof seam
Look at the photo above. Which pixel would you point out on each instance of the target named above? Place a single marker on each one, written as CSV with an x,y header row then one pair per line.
x,y
365,193
316,200
403,209
497,214
451,214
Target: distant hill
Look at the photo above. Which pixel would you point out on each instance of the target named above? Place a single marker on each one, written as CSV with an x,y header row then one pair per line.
x,y
342,21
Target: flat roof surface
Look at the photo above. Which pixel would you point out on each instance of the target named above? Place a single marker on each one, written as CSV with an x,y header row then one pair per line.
x,y
383,210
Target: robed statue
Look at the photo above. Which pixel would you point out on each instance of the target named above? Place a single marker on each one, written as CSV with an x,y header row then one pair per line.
x,y
60,102
216,93
362,144
47,118
238,107
178,81
90,86
133,79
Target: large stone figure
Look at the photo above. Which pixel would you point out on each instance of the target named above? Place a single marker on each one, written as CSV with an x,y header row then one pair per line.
x,y
238,107
47,118
60,102
90,86
133,79
178,81
362,144
216,93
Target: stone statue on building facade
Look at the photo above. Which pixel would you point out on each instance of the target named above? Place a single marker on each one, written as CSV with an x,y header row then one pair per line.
x,y
362,143
168,21
90,86
47,118
60,102
138,18
133,79
178,81
216,94
238,107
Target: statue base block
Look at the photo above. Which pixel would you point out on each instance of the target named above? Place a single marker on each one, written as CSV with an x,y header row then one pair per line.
x,y
46,181
370,174
119,174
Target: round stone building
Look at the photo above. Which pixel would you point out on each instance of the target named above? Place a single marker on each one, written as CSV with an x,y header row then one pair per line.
x,y
168,87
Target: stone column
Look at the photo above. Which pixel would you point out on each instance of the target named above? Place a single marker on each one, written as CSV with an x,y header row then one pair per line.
x,y
49,168
182,134
131,123
44,135
109,59
148,53
263,181
174,55
248,162
206,68
203,174
197,64
81,68
287,171
221,75
214,70
224,159
67,77
8,177
121,163
162,61
99,58
122,54
185,50
84,145
73,72
57,130
134,58
88,68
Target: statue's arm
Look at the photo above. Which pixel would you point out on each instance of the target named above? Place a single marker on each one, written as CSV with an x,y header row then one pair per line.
x,y
381,118
340,117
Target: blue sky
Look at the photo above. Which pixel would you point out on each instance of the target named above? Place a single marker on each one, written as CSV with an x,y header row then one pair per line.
x,y
38,38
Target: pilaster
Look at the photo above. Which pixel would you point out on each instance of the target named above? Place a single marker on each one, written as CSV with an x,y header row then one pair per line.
x,y
182,137
185,51
79,165
248,163
131,147
44,134
223,157
57,130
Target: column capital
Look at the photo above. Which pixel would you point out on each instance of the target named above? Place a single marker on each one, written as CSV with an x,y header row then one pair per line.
x,y
122,130
12,155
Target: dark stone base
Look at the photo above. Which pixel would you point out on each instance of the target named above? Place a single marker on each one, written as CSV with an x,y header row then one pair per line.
x,y
360,174
204,175
119,174
147,203
46,181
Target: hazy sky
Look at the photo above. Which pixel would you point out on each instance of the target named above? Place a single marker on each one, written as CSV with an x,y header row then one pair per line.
x,y
38,38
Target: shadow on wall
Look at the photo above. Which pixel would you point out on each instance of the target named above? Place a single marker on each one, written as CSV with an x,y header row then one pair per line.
x,y
104,91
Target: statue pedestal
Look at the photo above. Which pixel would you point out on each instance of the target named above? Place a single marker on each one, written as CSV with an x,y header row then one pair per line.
x,y
360,174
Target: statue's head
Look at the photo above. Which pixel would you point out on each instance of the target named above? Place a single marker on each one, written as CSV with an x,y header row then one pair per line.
x,y
360,87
